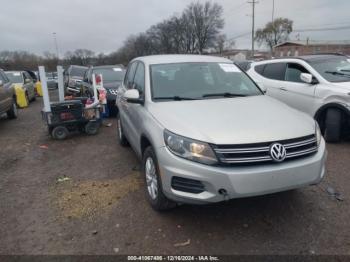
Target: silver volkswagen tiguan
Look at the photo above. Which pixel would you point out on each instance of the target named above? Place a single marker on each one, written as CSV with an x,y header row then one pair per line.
x,y
207,133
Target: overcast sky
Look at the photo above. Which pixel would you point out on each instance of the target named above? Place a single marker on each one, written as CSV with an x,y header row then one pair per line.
x,y
103,25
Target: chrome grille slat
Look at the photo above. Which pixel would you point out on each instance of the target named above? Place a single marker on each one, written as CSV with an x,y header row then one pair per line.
x,y
291,145
242,150
257,153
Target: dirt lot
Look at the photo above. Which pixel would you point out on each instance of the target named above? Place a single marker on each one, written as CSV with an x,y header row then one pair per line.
x,y
101,209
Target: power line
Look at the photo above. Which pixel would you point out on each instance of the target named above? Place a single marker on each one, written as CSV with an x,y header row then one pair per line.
x,y
322,29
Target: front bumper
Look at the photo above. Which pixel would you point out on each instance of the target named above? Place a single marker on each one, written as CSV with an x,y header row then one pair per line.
x,y
243,181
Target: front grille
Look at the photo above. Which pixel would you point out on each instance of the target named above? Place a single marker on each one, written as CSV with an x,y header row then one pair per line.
x,y
187,185
260,152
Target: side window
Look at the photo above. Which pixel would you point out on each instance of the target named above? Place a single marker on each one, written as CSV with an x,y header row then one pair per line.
x,y
139,79
129,79
275,71
294,71
259,69
2,78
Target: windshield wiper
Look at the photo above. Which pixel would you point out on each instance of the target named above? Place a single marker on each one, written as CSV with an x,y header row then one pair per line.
x,y
227,94
175,98
337,73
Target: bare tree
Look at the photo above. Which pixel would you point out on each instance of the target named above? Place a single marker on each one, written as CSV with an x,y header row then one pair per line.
x,y
207,21
275,32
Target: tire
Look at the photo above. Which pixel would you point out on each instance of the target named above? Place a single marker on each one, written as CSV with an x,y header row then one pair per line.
x,y
12,113
60,133
120,133
153,183
92,127
333,125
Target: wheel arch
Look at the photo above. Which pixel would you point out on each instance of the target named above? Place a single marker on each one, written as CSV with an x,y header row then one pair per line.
x,y
321,112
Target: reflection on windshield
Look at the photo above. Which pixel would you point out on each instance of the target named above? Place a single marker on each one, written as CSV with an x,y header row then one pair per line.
x,y
335,69
200,81
15,77
111,74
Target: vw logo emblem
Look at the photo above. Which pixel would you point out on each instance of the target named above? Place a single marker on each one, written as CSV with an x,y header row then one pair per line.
x,y
278,152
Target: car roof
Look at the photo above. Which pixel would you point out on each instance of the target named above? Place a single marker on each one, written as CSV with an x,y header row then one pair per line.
x,y
168,59
109,66
306,58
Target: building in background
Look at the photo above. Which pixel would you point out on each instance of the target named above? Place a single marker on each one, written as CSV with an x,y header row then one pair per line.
x,y
298,48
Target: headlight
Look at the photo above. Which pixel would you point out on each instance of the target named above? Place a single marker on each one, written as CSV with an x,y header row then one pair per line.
x,y
318,133
189,149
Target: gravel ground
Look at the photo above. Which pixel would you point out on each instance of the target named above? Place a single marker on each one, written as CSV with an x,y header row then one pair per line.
x,y
100,207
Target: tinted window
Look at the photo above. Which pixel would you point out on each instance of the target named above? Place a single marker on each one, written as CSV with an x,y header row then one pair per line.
x,y
293,73
78,71
275,71
130,75
3,77
259,69
139,79
199,81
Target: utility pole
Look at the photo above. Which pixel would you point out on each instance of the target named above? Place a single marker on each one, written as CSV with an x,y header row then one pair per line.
x,y
253,2
56,46
273,11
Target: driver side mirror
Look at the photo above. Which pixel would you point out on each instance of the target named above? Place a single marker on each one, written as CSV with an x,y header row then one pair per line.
x,y
308,78
133,96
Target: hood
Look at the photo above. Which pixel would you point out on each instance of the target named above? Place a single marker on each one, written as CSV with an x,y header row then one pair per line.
x,y
343,86
112,85
233,120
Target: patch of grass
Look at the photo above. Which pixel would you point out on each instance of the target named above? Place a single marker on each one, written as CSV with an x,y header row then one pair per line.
x,y
88,198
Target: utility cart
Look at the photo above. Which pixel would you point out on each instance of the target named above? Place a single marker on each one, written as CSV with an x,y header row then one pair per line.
x,y
66,116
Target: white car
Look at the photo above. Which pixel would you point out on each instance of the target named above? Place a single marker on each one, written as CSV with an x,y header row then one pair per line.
x,y
318,85
206,133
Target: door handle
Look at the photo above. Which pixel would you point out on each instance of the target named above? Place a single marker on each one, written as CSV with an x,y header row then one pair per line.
x,y
283,89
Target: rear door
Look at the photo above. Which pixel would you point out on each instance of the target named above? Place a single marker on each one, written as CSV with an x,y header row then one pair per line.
x,y
274,75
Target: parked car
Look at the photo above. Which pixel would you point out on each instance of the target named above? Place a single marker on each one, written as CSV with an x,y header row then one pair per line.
x,y
206,133
52,80
112,76
72,78
25,81
7,97
318,85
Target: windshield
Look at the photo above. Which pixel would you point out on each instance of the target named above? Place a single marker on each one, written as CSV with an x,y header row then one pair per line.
x,y
78,71
335,69
51,75
15,77
182,81
111,74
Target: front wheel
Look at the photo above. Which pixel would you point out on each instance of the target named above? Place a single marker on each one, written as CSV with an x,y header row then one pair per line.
x,y
333,125
12,113
121,137
154,189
